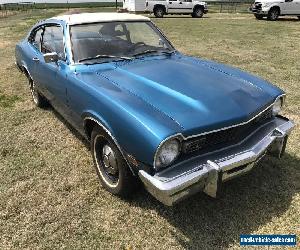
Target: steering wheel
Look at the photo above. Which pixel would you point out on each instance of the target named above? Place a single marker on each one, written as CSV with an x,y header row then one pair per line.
x,y
138,44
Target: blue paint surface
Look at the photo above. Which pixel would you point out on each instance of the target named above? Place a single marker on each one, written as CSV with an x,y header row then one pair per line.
x,y
145,100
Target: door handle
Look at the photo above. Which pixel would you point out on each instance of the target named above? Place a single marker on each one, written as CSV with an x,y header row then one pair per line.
x,y
35,59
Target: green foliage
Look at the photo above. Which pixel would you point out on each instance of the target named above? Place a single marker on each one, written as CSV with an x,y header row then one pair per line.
x,y
7,101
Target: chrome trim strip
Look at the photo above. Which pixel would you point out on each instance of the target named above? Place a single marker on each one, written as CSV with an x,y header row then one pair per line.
x,y
213,171
49,24
236,125
216,151
72,62
183,138
27,71
112,137
18,67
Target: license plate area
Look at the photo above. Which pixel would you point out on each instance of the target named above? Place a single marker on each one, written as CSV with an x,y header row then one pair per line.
x,y
237,171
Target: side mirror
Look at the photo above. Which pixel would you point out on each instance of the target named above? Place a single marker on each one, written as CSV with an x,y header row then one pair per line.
x,y
51,57
161,42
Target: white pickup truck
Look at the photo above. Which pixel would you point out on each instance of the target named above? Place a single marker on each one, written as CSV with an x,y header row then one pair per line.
x,y
163,7
272,9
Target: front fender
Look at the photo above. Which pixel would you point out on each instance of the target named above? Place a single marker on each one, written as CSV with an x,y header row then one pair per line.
x,y
267,9
132,135
137,127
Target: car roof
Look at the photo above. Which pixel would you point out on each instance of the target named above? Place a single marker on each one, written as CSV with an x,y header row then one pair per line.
x,y
98,17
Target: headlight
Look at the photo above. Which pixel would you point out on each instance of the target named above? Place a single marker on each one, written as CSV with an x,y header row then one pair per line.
x,y
277,106
167,153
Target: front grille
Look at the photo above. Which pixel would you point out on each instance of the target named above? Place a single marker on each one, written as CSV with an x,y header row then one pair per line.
x,y
257,7
227,136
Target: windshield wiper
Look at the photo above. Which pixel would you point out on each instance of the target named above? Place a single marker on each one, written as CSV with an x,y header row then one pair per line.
x,y
168,52
104,56
149,51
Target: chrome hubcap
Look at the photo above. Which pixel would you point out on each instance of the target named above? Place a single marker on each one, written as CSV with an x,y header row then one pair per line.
x,y
109,160
106,161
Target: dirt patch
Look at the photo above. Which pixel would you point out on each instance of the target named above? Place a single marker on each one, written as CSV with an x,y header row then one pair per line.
x,y
4,44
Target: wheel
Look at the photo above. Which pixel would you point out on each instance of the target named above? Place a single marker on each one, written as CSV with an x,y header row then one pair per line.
x,y
113,172
299,17
273,14
159,12
39,100
258,17
198,12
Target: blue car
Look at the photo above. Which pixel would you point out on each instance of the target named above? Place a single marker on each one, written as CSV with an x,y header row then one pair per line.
x,y
153,116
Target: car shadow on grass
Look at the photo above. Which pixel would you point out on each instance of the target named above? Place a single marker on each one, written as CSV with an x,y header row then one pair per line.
x,y
246,204
283,19
78,136
288,19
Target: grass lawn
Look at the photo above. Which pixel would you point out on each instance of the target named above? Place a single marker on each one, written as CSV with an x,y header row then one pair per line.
x,y
49,192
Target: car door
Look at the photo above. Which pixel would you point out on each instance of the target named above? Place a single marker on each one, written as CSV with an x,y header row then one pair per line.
x,y
174,6
52,77
297,7
288,7
187,6
33,52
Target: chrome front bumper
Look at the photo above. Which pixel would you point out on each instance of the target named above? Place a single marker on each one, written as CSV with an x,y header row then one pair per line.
x,y
207,172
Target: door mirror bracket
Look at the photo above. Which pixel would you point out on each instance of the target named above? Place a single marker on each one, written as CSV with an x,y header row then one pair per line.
x,y
51,57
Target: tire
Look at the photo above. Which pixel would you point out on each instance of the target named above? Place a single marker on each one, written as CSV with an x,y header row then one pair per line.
x,y
299,17
39,100
159,12
258,17
112,170
273,14
198,12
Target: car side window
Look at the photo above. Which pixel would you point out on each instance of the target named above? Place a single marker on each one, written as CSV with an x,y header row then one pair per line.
x,y
53,41
36,38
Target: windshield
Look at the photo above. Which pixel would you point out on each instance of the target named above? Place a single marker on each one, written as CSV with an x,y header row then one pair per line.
x,y
98,42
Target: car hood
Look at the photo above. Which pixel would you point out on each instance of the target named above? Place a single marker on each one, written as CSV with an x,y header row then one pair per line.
x,y
198,95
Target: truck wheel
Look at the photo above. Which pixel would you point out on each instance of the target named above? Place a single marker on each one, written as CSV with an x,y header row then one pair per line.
x,y
258,17
273,14
198,12
113,172
159,12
